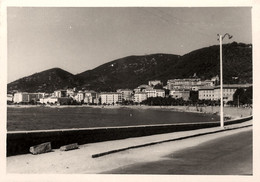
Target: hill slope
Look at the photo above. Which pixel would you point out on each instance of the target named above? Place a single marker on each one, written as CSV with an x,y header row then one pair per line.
x,y
46,81
128,72
131,71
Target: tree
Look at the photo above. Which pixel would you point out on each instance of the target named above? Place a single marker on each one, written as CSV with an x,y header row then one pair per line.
x,y
158,86
242,96
194,96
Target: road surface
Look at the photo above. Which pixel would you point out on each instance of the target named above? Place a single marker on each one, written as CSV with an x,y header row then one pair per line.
x,y
228,155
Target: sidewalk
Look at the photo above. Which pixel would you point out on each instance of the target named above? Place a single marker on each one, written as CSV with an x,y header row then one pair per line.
x,y
81,160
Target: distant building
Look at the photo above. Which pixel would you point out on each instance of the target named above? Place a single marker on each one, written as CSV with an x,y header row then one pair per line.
x,y
80,96
155,93
91,97
10,97
70,93
140,96
126,94
142,88
213,93
60,93
26,97
49,100
215,80
154,82
21,97
207,93
193,84
177,94
110,98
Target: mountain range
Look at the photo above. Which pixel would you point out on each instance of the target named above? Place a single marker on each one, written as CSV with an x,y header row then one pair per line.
x,y
132,71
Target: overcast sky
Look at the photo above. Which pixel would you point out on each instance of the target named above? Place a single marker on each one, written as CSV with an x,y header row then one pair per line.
x,y
79,39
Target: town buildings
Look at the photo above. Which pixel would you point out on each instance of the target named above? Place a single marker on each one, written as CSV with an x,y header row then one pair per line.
x,y
80,96
177,94
193,84
142,88
91,97
127,94
213,93
178,88
49,100
10,97
110,98
140,97
155,93
25,97
154,82
60,93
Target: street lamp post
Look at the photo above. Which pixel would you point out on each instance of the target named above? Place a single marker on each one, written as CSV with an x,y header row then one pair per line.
x,y
221,79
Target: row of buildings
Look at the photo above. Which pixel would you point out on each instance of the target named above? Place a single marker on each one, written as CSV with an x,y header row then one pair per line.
x,y
177,88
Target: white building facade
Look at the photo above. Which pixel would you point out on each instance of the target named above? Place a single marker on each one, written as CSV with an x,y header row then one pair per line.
x,y
111,98
127,94
26,97
207,93
154,82
213,93
177,94
91,97
80,96
140,96
155,93
49,100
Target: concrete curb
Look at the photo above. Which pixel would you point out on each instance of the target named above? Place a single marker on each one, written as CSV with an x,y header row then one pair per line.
x,y
164,141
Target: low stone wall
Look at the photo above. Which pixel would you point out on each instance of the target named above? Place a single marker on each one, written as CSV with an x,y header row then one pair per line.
x,y
20,142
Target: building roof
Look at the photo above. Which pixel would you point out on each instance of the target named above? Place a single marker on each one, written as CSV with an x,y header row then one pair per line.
x,y
179,91
109,93
226,86
144,86
140,93
184,79
207,88
234,86
125,89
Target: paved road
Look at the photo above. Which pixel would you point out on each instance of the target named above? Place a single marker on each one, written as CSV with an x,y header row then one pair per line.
x,y
229,155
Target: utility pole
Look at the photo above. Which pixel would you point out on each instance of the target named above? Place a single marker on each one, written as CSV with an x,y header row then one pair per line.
x,y
221,79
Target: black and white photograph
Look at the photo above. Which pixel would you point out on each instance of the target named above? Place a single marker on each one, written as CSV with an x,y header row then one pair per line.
x,y
129,90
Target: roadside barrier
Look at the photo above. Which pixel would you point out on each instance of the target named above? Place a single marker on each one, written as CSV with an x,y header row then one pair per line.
x,y
19,142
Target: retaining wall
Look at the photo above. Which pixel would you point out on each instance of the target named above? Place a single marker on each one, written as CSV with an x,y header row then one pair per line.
x,y
20,142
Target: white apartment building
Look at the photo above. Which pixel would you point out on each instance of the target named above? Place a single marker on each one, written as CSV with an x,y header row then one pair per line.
x,y
177,94
80,96
70,92
154,82
10,97
49,100
91,97
155,93
142,88
207,93
111,98
60,93
189,84
21,97
27,97
126,94
213,93
140,96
